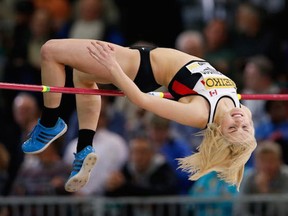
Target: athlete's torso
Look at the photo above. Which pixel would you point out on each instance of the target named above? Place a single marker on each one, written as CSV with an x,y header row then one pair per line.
x,y
200,78
197,77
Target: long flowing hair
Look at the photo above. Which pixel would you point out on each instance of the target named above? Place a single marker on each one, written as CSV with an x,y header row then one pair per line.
x,y
221,154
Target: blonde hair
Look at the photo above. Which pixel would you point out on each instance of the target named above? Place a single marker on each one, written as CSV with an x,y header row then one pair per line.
x,y
221,154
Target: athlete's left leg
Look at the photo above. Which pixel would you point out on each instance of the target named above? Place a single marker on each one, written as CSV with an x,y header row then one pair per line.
x,y
88,110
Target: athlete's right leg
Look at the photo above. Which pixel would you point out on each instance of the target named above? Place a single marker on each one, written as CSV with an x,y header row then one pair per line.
x,y
50,126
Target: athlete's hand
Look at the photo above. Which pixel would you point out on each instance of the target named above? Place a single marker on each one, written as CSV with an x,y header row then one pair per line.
x,y
104,53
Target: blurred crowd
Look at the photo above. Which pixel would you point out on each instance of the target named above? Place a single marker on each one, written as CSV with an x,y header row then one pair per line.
x,y
137,151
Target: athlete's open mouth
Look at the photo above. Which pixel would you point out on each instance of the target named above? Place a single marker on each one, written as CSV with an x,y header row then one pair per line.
x,y
237,114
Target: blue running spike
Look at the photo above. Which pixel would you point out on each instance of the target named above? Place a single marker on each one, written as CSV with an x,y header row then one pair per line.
x,y
84,162
41,137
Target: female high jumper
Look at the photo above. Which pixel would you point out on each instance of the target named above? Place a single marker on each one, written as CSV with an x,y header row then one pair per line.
x,y
202,98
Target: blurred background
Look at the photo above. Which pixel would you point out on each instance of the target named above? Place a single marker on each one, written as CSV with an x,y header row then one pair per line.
x,y
137,171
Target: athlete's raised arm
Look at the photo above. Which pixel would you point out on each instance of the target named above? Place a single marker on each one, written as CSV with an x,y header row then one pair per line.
x,y
184,113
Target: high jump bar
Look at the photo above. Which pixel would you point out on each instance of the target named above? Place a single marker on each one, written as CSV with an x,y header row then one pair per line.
x,y
102,92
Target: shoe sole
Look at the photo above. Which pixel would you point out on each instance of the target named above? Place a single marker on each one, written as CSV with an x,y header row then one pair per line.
x,y
46,145
82,177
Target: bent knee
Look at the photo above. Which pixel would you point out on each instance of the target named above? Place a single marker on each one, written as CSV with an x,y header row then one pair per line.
x,y
48,49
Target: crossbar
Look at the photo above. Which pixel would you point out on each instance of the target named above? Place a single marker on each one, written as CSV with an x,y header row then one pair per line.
x,y
103,92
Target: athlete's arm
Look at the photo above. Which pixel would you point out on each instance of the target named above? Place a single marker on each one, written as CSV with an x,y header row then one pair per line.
x,y
184,113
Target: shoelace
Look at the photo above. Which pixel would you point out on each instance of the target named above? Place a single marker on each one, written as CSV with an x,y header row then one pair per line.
x,y
77,164
30,134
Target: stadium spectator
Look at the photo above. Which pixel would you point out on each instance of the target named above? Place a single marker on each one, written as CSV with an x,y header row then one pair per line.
x,y
269,176
146,173
171,147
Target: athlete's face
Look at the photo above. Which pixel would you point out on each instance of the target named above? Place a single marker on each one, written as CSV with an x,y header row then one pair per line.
x,y
237,123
